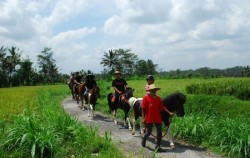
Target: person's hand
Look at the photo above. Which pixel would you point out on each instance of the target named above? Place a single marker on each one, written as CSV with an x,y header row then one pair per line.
x,y
171,114
143,120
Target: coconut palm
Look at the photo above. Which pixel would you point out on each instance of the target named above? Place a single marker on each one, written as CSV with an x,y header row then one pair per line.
x,y
110,60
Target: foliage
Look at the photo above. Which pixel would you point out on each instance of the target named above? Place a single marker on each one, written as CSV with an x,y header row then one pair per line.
x,y
47,65
119,59
47,131
239,88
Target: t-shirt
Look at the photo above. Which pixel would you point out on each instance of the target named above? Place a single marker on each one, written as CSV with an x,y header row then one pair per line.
x,y
90,84
78,79
153,107
120,84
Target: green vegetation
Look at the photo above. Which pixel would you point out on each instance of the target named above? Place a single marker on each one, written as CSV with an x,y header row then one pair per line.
x,y
45,130
219,122
239,88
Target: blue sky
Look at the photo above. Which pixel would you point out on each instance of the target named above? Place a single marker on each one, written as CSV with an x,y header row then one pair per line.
x,y
175,34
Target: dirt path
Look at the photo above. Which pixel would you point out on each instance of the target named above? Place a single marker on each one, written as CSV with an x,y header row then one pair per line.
x,y
132,144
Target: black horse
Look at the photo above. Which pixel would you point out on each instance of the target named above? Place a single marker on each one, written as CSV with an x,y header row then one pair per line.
x,y
122,104
173,102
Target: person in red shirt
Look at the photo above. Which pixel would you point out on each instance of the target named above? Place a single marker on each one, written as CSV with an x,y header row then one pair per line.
x,y
152,107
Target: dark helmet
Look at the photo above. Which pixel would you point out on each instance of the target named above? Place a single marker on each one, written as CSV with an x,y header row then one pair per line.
x,y
150,77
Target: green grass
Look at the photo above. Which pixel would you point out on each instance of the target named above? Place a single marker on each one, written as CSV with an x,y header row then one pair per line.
x,y
220,123
45,130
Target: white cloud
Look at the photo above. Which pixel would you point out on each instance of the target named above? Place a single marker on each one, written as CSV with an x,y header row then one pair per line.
x,y
173,33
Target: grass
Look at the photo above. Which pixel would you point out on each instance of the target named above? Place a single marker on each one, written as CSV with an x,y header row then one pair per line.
x,y
220,123
47,131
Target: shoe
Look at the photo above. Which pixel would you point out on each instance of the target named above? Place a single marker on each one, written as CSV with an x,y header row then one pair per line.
x,y
159,149
143,142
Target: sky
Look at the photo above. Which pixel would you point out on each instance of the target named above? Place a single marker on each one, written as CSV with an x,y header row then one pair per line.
x,y
174,34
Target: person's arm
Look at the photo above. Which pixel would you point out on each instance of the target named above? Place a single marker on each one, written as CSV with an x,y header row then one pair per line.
x,y
143,111
165,109
170,113
117,90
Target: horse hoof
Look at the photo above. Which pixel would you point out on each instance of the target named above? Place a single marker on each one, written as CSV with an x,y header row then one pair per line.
x,y
130,128
115,122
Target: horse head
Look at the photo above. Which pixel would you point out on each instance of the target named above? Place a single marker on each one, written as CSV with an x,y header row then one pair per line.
x,y
175,103
124,100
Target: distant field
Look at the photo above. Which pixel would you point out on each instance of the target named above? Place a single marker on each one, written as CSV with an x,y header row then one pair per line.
x,y
14,100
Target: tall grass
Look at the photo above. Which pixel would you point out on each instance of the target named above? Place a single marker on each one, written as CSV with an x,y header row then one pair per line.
x,y
47,131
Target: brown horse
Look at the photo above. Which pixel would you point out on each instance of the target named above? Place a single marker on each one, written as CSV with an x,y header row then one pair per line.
x,y
80,95
92,97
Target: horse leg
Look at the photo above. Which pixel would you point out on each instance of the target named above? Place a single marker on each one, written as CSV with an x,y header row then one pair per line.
x,y
142,127
132,118
170,138
129,124
114,116
89,105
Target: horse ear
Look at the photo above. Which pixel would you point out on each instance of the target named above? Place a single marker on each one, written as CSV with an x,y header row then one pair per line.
x,y
133,90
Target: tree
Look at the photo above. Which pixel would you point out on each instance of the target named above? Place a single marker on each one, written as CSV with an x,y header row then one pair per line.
x,y
3,67
11,62
151,67
127,61
48,68
110,60
119,59
26,73
141,68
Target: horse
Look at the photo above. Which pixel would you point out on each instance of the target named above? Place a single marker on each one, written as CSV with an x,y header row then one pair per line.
x,y
92,97
173,102
79,95
71,89
122,104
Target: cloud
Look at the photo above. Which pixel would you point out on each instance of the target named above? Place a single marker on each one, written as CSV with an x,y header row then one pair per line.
x,y
172,33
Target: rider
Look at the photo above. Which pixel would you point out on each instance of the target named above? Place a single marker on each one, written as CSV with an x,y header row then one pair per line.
x,y
77,80
119,84
90,84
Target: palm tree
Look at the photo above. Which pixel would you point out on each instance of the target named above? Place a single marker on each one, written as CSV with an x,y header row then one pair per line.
x,y
12,61
110,60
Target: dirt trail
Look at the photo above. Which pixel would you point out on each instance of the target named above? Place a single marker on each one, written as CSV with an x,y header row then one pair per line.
x,y
129,143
